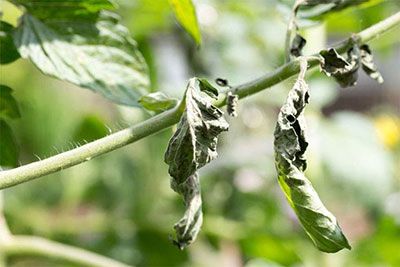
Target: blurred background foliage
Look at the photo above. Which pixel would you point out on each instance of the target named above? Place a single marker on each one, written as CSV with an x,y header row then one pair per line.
x,y
121,205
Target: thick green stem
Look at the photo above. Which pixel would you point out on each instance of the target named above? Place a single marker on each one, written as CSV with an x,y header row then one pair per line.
x,y
166,119
36,246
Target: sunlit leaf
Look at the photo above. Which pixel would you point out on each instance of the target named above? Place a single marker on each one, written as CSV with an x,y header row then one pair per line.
x,y
157,102
185,13
290,147
8,146
8,52
368,65
8,104
81,43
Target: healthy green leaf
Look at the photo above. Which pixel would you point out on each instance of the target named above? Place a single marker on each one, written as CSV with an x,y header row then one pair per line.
x,y
8,104
194,143
188,227
185,13
368,65
157,102
297,46
8,146
344,71
290,147
81,43
8,52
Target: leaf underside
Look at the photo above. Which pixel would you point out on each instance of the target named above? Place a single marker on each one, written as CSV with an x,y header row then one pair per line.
x,y
82,43
290,147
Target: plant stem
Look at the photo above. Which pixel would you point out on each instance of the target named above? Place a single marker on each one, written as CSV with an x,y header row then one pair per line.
x,y
36,246
166,119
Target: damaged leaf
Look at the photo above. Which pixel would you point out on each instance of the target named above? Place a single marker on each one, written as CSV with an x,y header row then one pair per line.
x,y
368,65
290,147
157,102
189,225
344,71
297,46
232,101
194,143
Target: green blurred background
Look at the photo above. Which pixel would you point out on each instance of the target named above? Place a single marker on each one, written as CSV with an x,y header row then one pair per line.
x,y
120,204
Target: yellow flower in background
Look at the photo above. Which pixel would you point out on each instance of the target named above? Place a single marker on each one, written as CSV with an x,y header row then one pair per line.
x,y
388,128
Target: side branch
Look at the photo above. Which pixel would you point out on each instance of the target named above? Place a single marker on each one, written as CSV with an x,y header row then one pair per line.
x,y
166,119
36,246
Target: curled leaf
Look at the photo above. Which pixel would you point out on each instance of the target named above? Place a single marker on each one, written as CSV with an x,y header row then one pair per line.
x,y
344,71
290,147
157,102
297,46
194,143
188,227
368,65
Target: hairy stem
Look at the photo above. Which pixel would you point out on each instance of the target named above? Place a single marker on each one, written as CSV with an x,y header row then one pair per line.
x,y
166,119
36,246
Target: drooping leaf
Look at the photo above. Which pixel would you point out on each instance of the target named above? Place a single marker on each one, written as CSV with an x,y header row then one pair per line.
x,y
344,71
297,46
368,65
8,52
8,104
157,102
290,147
185,13
194,143
84,44
8,146
188,227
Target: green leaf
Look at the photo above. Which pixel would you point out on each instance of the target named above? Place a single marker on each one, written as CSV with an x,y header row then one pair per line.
x,y
8,52
81,43
368,65
8,104
290,147
344,71
89,129
185,13
194,143
8,146
157,102
188,227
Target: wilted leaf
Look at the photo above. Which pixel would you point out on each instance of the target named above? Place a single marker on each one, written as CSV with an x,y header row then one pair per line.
x,y
194,143
8,52
185,13
368,65
81,43
297,46
189,225
157,102
290,147
344,71
232,102
8,146
8,104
